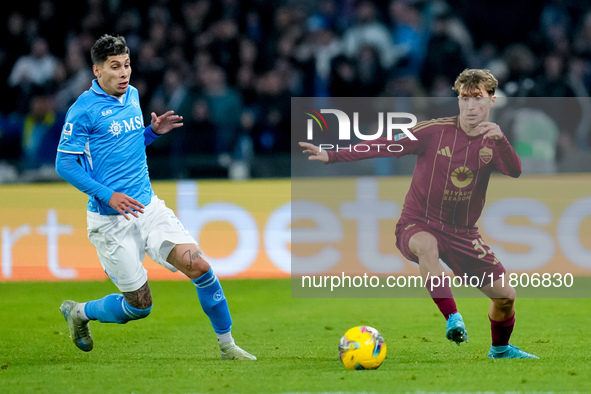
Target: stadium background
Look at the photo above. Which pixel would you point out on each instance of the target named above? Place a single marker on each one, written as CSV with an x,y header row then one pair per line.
x,y
231,67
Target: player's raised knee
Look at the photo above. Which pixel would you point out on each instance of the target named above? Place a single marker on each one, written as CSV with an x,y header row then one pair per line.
x,y
506,293
504,304
198,269
188,258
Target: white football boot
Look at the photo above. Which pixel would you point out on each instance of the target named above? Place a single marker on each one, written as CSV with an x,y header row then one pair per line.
x,y
231,351
79,330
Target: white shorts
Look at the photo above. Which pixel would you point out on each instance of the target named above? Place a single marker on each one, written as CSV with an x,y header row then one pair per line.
x,y
121,244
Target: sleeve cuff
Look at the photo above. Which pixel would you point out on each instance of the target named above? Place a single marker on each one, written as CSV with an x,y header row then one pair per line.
x,y
149,136
105,194
150,132
331,156
502,141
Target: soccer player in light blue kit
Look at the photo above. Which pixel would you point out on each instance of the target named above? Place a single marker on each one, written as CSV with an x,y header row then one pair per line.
x,y
102,152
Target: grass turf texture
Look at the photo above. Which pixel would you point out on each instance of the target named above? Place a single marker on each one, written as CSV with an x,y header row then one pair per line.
x,y
174,350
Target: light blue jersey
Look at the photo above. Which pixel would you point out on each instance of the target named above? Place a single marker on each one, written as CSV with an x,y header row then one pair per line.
x,y
109,134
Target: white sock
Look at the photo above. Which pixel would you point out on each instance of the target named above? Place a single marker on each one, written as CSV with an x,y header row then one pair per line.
x,y
80,306
225,338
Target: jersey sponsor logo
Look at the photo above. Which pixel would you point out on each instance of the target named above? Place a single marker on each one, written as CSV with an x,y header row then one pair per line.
x,y
457,195
118,127
107,112
462,177
115,128
134,123
67,130
444,151
485,154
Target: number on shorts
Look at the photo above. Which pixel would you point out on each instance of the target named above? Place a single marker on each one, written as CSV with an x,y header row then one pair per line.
x,y
479,247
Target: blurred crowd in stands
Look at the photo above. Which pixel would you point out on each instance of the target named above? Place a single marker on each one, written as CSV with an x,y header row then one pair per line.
x,y
230,67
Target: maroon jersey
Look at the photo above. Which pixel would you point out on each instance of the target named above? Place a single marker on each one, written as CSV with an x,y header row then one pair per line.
x,y
448,187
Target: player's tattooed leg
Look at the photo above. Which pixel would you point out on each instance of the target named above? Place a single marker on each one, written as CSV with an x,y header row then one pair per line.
x,y
140,298
188,258
191,256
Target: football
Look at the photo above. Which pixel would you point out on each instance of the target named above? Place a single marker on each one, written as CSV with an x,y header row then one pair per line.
x,y
362,347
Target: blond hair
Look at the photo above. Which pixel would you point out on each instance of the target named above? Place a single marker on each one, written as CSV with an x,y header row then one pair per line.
x,y
471,79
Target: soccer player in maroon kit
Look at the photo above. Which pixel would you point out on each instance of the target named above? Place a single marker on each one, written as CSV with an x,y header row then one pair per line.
x,y
455,157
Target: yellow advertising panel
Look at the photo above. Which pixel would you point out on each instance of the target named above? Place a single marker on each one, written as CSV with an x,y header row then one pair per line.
x,y
533,224
43,229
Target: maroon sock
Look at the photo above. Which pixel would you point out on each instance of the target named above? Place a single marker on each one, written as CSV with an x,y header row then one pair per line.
x,y
443,297
501,330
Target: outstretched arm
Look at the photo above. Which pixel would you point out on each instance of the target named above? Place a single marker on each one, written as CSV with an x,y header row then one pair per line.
x,y
315,152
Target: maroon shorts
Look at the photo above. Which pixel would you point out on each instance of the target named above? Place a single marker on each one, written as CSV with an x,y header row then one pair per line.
x,y
463,253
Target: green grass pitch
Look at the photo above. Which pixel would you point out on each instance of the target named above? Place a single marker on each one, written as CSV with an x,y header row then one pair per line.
x,y
174,350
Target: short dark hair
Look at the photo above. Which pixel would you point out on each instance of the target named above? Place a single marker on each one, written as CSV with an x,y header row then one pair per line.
x,y
107,46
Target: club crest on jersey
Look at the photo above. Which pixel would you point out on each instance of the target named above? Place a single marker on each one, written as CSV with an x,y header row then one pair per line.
x,y
115,128
135,103
485,154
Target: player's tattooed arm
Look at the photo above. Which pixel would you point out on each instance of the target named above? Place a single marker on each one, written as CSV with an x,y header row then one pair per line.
x,y
140,298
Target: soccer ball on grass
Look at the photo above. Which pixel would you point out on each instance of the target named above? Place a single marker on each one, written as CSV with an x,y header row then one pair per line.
x,y
362,347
